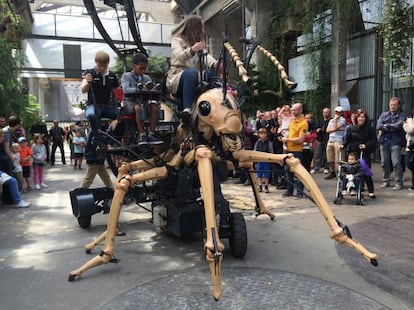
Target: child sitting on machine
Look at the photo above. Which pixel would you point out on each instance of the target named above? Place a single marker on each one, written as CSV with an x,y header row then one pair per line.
x,y
351,173
134,85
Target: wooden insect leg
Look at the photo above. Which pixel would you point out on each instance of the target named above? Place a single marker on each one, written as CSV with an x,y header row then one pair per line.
x,y
90,246
106,254
337,232
260,207
121,189
213,246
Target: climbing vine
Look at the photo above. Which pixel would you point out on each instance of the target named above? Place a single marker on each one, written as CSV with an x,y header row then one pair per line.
x,y
396,31
13,99
283,45
317,51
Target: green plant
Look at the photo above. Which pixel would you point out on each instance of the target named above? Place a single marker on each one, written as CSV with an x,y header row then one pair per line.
x,y
30,115
396,31
15,29
317,58
12,99
309,17
157,66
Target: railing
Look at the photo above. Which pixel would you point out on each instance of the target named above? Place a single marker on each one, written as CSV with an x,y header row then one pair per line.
x,y
82,27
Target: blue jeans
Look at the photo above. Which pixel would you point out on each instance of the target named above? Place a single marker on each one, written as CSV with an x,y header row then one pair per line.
x,y
13,191
95,112
391,155
187,87
189,82
290,177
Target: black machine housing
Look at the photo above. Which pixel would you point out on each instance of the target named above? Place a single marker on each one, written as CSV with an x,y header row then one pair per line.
x,y
175,204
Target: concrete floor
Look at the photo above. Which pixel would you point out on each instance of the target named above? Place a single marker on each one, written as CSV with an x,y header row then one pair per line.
x,y
293,255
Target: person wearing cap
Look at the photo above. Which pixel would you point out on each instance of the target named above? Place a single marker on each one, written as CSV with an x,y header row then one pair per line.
x,y
335,130
25,155
11,193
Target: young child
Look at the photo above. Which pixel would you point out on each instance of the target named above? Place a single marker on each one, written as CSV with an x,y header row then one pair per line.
x,y
18,171
132,101
286,115
79,143
351,173
263,173
25,155
99,83
39,161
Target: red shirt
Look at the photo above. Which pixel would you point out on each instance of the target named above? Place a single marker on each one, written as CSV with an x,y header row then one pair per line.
x,y
24,152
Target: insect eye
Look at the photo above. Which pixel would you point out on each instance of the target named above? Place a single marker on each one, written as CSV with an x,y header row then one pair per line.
x,y
204,108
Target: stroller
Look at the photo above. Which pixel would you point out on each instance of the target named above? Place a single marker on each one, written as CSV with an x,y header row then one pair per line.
x,y
350,184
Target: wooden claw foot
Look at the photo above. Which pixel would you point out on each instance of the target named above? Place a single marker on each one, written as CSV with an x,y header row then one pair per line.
x,y
214,262
352,243
103,258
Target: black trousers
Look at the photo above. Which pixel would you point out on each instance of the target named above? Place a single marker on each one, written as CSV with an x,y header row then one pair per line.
x,y
62,152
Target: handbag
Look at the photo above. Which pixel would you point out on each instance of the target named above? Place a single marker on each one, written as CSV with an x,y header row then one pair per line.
x,y
365,168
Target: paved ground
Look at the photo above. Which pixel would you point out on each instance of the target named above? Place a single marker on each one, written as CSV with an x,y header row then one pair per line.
x,y
290,262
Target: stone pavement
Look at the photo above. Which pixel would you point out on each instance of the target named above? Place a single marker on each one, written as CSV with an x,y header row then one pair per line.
x,y
290,262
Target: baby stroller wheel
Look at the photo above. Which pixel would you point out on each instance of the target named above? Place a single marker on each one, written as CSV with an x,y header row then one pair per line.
x,y
360,202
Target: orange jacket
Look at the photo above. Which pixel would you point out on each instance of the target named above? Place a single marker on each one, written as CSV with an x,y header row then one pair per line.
x,y
25,155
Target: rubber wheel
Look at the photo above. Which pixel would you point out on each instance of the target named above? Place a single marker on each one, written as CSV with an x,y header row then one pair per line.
x,y
85,221
238,235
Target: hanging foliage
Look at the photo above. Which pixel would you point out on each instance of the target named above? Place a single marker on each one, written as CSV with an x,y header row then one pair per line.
x,y
396,31
13,100
316,21
11,88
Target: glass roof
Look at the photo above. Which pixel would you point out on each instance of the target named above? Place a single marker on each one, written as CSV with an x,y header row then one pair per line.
x,y
75,10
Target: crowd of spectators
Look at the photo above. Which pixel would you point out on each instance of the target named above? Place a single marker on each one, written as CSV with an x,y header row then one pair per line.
x,y
25,154
326,144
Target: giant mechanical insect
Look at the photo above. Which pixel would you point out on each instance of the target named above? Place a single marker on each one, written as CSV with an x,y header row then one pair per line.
x,y
214,137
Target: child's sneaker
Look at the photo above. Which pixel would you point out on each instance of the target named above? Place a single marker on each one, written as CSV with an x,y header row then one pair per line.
x,y
353,193
143,140
344,192
153,139
37,186
44,185
266,189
